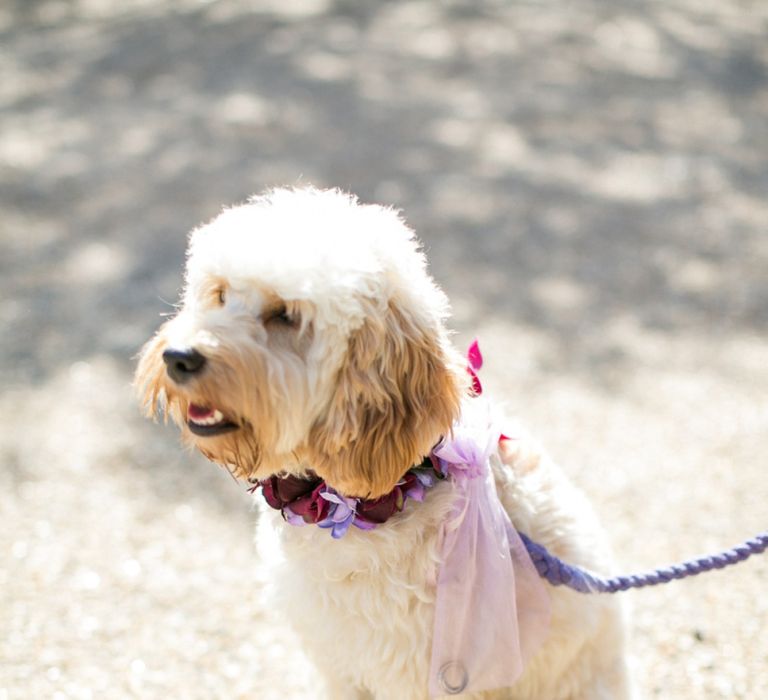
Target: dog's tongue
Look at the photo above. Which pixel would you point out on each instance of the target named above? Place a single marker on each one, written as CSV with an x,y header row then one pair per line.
x,y
196,412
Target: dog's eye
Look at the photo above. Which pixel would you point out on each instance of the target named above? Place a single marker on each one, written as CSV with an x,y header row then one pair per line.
x,y
283,317
221,296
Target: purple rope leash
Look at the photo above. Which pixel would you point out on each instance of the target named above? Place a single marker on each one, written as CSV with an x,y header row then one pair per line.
x,y
558,573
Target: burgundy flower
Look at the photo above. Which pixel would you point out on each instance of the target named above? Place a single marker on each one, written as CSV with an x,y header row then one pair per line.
x,y
381,509
280,491
311,508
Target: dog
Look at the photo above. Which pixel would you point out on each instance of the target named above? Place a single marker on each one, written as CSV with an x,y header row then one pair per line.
x,y
311,346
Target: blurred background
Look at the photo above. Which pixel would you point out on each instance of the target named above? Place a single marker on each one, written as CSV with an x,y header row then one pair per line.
x,y
589,180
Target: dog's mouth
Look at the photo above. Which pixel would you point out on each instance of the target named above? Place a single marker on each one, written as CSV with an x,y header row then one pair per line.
x,y
207,422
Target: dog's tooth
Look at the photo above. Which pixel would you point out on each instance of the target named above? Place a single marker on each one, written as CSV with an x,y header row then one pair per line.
x,y
213,418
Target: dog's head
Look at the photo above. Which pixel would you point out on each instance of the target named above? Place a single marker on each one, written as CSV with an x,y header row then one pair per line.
x,y
310,336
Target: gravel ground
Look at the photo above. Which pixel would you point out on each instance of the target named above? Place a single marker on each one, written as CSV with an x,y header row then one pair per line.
x,y
589,179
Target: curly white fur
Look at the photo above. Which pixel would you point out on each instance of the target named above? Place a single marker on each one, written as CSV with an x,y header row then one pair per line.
x,y
325,345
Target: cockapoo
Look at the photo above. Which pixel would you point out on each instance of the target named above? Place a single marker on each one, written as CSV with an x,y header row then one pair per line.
x,y
311,358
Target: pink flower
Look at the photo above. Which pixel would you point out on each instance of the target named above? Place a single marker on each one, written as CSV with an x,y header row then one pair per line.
x,y
475,362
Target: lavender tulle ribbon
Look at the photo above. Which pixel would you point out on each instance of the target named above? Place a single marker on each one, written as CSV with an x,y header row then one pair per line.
x,y
492,610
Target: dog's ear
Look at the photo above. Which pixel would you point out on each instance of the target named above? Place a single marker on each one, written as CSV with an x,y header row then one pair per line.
x,y
148,382
397,393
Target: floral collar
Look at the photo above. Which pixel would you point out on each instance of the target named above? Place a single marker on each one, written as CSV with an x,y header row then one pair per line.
x,y
309,500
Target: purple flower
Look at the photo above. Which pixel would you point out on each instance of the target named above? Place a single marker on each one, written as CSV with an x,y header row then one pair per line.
x,y
427,477
416,491
341,513
293,518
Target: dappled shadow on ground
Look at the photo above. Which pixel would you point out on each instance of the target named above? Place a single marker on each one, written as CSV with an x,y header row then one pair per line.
x,y
566,167
589,182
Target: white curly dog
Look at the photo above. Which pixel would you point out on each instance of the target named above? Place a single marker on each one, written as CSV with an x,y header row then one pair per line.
x,y
311,345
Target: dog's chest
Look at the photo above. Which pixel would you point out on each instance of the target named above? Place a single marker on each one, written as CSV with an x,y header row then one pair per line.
x,y
369,595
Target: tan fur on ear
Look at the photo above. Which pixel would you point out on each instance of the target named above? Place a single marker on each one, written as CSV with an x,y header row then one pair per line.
x,y
156,395
150,373
397,394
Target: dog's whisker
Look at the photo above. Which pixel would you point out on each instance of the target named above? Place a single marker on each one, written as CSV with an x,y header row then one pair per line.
x,y
229,471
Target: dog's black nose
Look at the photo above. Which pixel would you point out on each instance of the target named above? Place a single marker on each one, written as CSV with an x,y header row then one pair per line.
x,y
183,364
